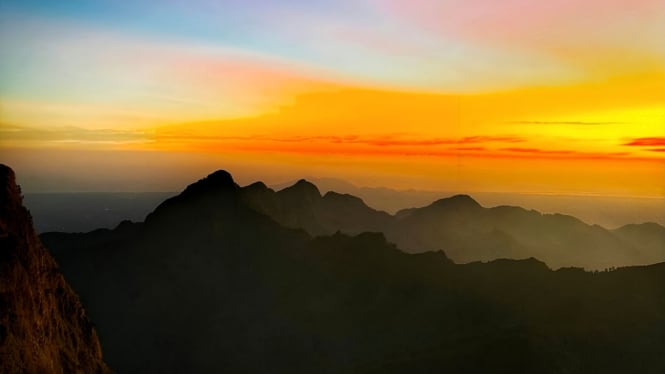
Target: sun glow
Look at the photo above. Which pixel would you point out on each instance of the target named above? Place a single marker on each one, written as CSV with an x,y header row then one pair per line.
x,y
556,101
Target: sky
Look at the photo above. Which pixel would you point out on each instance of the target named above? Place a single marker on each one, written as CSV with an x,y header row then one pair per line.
x,y
556,97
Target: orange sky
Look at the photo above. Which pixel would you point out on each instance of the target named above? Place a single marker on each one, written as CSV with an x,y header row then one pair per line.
x,y
552,102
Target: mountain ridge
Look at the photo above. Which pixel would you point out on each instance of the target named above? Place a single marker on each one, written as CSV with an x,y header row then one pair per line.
x,y
608,211
466,230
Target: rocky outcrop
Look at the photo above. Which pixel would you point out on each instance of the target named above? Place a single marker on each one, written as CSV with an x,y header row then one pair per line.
x,y
43,327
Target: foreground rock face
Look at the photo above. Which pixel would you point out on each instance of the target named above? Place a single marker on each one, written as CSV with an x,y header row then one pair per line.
x,y
43,327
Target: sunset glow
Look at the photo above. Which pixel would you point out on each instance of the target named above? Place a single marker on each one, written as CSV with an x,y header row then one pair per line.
x,y
518,96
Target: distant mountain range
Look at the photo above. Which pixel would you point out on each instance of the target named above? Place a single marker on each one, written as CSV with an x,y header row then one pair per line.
x,y
228,279
463,229
466,233
607,211
86,211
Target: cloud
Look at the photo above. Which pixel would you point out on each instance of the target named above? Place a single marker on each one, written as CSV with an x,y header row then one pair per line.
x,y
647,142
539,151
390,141
567,154
482,146
18,134
486,139
581,123
374,141
651,144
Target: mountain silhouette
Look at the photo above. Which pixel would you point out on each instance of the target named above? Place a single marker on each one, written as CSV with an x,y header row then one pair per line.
x,y
467,230
464,229
302,206
211,283
43,327
607,211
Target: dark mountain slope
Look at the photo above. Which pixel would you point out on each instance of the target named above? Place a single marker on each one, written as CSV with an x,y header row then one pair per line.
x,y
208,284
43,327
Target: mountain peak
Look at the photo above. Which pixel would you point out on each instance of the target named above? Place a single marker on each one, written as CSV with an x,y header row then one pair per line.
x,y
458,201
303,187
13,216
522,265
6,174
305,183
342,198
221,180
10,192
257,186
210,191
463,197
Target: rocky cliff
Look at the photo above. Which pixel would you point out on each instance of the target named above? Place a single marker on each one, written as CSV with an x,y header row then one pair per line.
x,y
43,327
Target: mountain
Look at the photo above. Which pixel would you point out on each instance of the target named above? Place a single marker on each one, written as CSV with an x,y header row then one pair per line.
x,y
464,229
470,232
643,236
210,284
380,198
607,211
43,327
303,206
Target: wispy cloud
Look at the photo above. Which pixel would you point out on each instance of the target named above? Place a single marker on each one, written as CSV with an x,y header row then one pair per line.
x,y
488,138
647,142
572,123
390,145
374,141
651,144
539,151
565,154
70,135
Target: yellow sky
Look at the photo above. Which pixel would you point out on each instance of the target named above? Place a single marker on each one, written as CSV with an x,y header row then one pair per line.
x,y
557,98
603,137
